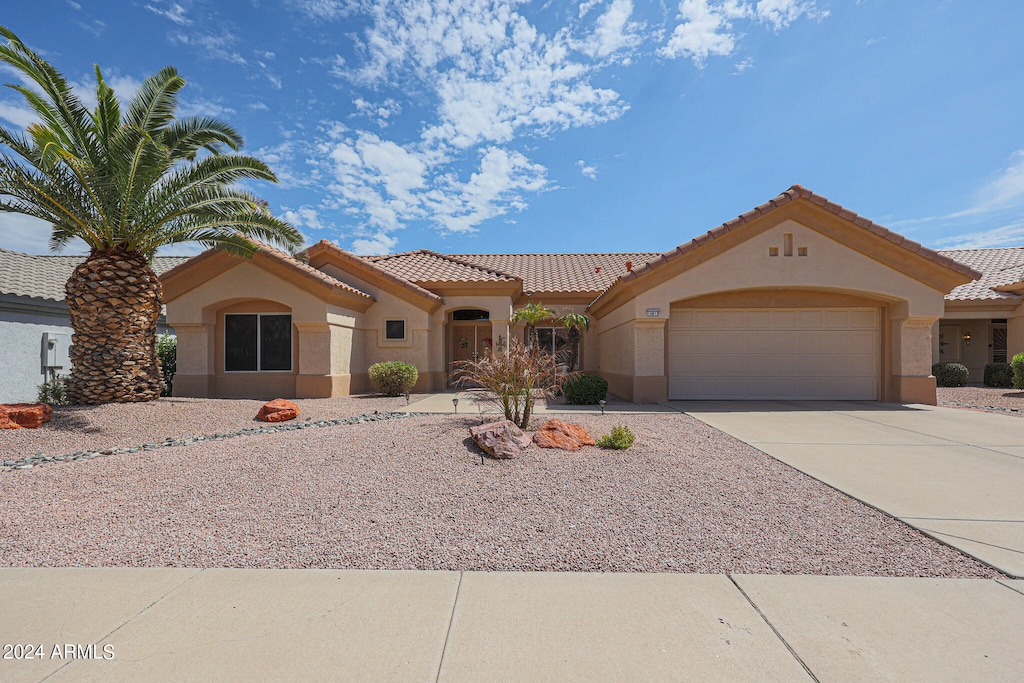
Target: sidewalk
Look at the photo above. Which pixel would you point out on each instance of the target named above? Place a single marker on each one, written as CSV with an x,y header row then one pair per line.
x,y
303,625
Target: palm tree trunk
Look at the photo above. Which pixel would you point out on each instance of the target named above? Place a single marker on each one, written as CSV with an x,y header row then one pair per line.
x,y
114,298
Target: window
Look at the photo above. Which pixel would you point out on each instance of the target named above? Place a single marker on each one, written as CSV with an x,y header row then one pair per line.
x,y
553,341
257,342
394,330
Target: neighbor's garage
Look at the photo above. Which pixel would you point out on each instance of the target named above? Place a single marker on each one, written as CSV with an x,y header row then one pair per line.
x,y
774,353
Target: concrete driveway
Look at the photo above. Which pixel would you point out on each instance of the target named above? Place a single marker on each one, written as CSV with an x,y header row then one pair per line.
x,y
957,475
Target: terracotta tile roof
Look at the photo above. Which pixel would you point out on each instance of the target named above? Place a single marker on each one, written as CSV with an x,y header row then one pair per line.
x,y
557,273
999,267
425,266
43,276
331,247
793,193
283,258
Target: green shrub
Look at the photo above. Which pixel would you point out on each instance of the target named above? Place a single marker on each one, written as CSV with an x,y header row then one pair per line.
x,y
167,350
393,378
950,374
999,375
52,391
620,438
584,390
1018,371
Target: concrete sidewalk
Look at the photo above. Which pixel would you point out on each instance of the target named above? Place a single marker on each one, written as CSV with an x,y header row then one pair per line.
x,y
469,404
957,475
305,625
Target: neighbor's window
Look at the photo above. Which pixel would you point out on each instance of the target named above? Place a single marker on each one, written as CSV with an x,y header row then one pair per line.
x,y
394,330
257,342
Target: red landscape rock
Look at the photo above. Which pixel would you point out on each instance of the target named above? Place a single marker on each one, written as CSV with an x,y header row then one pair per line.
x,y
564,435
500,439
278,410
28,415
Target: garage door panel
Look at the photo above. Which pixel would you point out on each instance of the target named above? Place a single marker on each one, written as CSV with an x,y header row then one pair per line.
x,y
774,354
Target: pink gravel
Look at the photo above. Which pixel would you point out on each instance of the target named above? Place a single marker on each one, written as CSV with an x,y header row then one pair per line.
x,y
125,425
988,399
412,493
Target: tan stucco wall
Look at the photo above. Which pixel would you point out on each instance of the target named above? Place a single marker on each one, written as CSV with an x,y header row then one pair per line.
x,y
829,266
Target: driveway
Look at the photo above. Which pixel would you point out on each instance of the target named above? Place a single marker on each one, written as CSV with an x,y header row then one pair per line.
x,y
956,475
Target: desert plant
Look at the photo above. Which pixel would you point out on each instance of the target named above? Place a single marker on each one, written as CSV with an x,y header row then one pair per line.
x,y
574,323
53,391
999,375
531,314
950,374
393,378
513,381
584,390
167,352
620,438
125,178
1017,363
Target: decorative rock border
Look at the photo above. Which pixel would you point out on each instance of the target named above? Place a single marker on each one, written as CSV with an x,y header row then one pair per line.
x,y
8,464
975,406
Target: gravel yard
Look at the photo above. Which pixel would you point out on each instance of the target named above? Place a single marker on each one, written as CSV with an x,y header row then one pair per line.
x,y
412,494
989,399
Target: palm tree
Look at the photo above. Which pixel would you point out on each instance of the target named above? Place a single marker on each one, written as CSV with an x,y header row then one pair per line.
x,y
574,323
532,314
127,181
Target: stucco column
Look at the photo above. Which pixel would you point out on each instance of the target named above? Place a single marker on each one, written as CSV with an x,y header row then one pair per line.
x,y
1014,337
195,360
650,385
913,347
314,378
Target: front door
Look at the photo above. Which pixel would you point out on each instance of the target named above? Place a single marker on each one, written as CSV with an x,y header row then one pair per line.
x,y
468,341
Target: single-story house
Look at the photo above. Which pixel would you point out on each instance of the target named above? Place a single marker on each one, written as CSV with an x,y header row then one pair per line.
x,y
798,298
35,328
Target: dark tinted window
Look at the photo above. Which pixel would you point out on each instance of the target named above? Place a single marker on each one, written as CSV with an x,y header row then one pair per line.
x,y
240,342
394,329
275,342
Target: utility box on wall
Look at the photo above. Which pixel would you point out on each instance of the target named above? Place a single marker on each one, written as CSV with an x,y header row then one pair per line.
x,y
55,351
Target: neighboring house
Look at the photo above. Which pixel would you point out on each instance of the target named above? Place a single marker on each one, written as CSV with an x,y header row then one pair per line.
x,y
35,328
984,320
797,299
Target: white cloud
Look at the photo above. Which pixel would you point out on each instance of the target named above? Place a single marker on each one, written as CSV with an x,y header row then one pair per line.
x,y
588,171
379,112
743,65
220,46
29,235
18,115
201,107
259,106
326,10
174,12
304,217
1007,190
614,31
707,28
73,5
378,243
1006,236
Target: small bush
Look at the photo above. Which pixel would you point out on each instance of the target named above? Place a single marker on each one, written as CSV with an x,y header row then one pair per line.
x,y
999,375
584,390
1018,371
52,391
950,374
167,351
393,378
620,438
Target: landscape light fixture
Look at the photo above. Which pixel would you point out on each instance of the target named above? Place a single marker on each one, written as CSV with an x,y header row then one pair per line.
x,y
407,398
601,403
455,402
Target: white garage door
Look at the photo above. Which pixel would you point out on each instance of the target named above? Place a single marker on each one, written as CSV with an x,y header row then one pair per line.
x,y
774,353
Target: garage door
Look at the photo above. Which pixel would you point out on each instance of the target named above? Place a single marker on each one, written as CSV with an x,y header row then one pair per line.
x,y
774,353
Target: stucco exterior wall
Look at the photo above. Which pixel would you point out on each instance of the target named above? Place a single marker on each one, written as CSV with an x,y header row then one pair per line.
x,y
826,266
21,369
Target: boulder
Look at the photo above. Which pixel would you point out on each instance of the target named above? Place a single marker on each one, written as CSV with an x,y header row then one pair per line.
x,y
500,439
278,410
28,415
564,435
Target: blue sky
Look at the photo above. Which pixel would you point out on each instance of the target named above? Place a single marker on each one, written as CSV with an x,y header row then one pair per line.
x,y
605,125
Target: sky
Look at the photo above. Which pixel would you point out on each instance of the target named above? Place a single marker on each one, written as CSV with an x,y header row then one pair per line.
x,y
475,126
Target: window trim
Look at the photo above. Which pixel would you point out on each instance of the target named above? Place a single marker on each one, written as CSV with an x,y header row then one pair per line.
x,y
405,330
259,343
